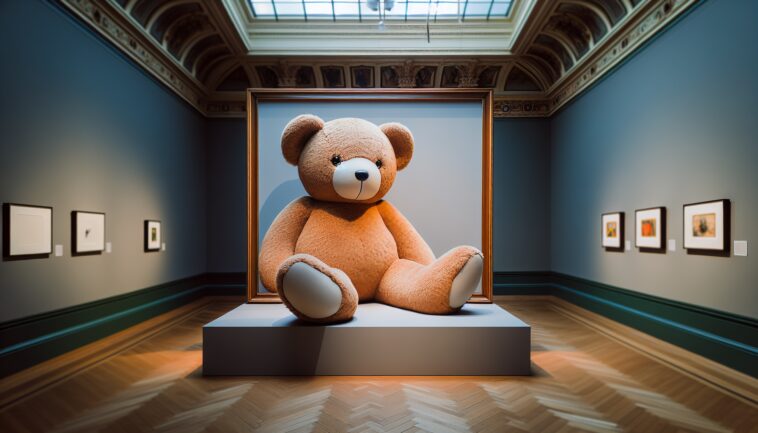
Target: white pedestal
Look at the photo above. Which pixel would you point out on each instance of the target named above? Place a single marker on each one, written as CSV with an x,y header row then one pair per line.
x,y
266,339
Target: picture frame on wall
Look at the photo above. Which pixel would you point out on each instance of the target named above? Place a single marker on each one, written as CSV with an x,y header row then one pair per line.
x,y
464,143
612,231
707,227
27,231
87,233
153,235
650,229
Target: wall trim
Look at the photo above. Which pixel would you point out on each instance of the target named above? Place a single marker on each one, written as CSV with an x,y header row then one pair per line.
x,y
30,340
198,83
704,370
726,338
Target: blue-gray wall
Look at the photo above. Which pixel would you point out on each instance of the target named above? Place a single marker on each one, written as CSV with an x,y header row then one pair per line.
x,y
676,124
520,195
85,129
227,195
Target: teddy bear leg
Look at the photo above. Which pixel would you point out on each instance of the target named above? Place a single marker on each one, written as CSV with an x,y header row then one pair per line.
x,y
314,291
440,287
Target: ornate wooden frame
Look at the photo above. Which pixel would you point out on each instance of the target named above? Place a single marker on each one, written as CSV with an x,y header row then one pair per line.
x,y
255,96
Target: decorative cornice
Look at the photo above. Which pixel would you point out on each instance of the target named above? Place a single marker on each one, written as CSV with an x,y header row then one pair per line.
x,y
649,20
225,109
194,47
110,21
512,107
503,107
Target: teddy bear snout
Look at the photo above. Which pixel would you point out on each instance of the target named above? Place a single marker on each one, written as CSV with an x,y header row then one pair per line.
x,y
361,175
357,179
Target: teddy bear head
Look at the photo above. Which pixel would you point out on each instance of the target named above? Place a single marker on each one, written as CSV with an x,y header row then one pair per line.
x,y
346,160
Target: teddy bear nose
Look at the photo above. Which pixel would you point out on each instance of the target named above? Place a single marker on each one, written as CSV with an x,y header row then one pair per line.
x,y
361,175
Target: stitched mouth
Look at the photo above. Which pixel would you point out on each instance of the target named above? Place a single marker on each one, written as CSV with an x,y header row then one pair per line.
x,y
359,191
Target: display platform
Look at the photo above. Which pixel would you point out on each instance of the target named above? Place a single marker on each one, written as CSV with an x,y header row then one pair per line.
x,y
266,339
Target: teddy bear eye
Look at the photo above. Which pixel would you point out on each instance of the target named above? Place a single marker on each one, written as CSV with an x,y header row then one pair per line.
x,y
336,160
378,163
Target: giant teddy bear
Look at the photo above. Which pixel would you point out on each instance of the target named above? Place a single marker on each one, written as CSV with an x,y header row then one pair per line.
x,y
341,245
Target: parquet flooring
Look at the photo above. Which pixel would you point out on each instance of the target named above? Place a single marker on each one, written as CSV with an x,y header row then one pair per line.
x,y
583,381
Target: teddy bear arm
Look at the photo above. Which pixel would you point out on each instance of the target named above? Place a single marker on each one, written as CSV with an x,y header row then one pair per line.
x,y
281,238
410,244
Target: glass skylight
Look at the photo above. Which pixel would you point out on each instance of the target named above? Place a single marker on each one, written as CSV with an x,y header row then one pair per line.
x,y
359,10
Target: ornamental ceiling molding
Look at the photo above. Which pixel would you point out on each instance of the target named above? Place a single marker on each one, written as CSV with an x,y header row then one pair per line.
x,y
110,21
651,18
194,48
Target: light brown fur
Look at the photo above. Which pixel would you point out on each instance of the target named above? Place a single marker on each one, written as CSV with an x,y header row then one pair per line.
x,y
367,247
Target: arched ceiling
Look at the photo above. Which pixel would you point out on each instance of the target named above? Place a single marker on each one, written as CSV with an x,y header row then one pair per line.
x,y
195,47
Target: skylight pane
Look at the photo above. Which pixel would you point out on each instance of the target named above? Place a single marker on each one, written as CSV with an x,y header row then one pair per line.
x,y
439,10
263,9
314,8
416,10
367,14
477,10
499,9
346,9
289,8
448,8
397,12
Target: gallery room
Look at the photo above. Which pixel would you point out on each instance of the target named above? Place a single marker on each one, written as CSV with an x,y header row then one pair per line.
x,y
378,215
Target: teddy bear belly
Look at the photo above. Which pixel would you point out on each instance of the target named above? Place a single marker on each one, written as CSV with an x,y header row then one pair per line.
x,y
361,247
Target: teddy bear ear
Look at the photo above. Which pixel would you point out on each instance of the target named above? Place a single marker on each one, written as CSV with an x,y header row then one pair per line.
x,y
402,142
297,132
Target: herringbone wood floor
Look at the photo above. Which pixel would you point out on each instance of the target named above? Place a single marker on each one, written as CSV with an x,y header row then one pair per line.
x,y
583,381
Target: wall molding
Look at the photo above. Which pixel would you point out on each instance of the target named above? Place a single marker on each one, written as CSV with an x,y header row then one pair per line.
x,y
114,26
704,370
726,338
30,340
651,19
564,47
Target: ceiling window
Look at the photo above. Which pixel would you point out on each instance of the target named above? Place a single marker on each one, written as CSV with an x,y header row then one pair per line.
x,y
369,10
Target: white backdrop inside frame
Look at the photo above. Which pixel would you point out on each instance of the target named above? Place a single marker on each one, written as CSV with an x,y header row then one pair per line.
x,y
440,191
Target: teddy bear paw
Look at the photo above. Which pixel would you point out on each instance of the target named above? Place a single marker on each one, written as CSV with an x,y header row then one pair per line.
x,y
311,292
465,283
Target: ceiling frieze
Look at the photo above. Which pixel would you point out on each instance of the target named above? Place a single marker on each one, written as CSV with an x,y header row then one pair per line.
x,y
195,48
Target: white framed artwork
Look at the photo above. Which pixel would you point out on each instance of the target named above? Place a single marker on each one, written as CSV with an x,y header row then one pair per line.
x,y
612,231
88,232
27,231
650,228
152,235
706,226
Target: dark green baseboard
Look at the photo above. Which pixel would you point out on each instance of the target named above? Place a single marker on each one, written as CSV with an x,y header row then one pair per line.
x,y
31,340
726,338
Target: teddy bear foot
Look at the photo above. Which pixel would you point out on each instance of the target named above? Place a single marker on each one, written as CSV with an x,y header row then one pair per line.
x,y
315,292
465,283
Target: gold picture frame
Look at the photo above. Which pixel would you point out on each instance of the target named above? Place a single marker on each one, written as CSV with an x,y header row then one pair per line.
x,y
256,96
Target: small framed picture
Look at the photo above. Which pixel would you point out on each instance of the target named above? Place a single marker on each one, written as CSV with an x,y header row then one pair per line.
x,y
613,231
27,231
152,235
650,229
706,226
87,233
